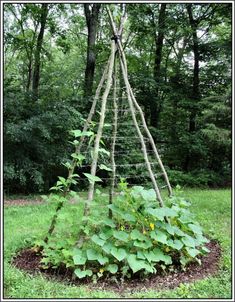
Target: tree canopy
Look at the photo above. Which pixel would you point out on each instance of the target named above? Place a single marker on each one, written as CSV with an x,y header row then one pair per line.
x,y
179,62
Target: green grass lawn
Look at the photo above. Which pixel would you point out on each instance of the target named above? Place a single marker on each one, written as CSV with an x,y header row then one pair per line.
x,y
22,224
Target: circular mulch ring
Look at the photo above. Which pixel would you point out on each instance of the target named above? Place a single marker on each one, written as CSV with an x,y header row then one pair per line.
x,y
29,261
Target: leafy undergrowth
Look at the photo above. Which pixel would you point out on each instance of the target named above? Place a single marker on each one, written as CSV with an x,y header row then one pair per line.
x,y
138,238
212,208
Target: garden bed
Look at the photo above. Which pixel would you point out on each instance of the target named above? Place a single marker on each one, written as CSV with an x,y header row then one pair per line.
x,y
29,260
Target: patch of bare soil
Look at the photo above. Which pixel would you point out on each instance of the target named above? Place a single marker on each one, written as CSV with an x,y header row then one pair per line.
x,y
22,202
29,261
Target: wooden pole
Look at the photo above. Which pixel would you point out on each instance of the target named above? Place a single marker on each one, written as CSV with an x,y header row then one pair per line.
x,y
155,186
101,124
122,55
112,154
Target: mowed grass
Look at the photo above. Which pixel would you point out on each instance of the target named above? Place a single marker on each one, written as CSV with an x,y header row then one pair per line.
x,y
22,224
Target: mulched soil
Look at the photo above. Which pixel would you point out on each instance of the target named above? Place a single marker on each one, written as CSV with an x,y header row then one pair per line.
x,y
29,261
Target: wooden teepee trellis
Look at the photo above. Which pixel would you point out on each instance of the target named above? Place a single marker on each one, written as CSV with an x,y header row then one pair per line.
x,y
110,74
107,81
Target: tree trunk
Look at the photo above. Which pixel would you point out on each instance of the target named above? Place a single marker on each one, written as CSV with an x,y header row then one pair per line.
x,y
37,62
195,95
155,105
91,14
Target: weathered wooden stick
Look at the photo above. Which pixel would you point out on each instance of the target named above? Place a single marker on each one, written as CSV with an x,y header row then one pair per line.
x,y
77,150
113,164
101,124
155,186
139,108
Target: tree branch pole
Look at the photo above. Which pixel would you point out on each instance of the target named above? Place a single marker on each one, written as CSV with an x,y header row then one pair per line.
x,y
156,189
101,123
122,55
113,164
77,150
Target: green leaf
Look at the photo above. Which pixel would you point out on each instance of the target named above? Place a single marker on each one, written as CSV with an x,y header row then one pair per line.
x,y
143,244
106,234
136,264
107,247
76,133
109,222
121,235
192,252
189,241
104,167
77,156
161,237
162,212
102,150
92,178
135,234
195,228
205,249
92,254
79,259
148,195
102,259
79,133
112,268
119,254
82,274
176,244
160,256
97,240
140,255
128,217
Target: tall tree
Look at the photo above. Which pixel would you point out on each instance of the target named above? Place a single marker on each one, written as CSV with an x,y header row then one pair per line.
x,y
37,58
92,15
155,106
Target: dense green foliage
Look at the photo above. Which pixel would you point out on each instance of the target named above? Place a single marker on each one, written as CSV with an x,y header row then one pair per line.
x,y
144,238
188,109
23,224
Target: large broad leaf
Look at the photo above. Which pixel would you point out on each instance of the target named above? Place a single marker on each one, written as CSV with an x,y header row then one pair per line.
x,y
112,268
192,252
128,217
175,244
106,234
92,254
92,178
102,259
108,222
186,218
162,212
121,235
82,274
137,265
119,254
195,228
135,234
160,256
107,247
143,244
97,240
161,237
189,241
79,259
148,195
136,191
104,167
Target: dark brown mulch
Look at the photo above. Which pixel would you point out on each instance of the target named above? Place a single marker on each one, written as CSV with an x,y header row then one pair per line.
x,y
29,261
